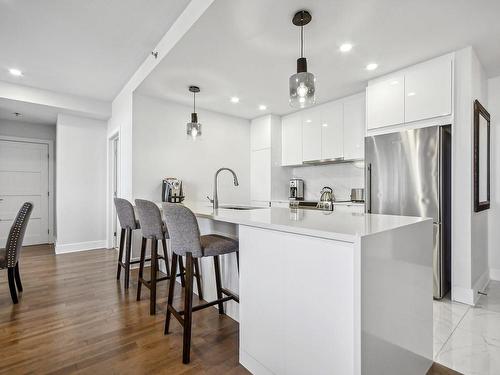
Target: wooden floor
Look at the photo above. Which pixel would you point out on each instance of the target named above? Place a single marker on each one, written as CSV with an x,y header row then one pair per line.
x,y
74,317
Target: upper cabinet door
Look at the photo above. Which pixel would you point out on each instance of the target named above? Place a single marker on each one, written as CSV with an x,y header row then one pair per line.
x,y
291,136
428,91
385,102
260,133
354,127
260,175
311,134
332,130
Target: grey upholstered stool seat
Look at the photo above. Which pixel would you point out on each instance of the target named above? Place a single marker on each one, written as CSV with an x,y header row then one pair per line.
x,y
9,257
185,240
215,244
128,223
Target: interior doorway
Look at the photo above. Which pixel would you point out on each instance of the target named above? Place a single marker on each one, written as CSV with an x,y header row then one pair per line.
x,y
114,183
25,176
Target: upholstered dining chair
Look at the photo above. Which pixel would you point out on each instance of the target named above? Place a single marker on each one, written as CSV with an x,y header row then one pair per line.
x,y
9,257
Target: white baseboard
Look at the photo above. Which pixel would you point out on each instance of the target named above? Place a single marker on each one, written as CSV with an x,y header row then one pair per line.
x,y
470,296
495,274
80,246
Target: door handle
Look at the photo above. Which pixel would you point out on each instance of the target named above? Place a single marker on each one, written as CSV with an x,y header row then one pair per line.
x,y
369,188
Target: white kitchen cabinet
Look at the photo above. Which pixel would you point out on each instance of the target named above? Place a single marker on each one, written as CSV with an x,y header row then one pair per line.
x,y
428,89
332,129
260,133
291,147
385,102
354,127
311,134
260,175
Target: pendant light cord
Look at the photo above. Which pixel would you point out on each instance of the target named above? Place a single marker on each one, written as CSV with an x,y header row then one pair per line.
x,y
194,102
301,41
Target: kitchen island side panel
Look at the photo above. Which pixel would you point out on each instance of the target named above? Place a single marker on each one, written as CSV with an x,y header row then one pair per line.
x,y
297,303
396,300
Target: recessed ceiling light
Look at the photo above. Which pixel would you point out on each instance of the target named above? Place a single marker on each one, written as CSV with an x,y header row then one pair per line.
x,y
411,94
394,82
372,66
235,99
262,107
15,72
308,121
346,47
325,125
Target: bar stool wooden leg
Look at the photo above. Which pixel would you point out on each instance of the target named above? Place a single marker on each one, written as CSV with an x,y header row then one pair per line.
x,y
12,285
198,277
120,254
238,260
182,271
154,268
141,268
127,257
218,283
165,255
188,309
171,290
17,276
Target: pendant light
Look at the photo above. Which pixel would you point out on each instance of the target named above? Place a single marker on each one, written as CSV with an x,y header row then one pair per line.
x,y
302,83
193,128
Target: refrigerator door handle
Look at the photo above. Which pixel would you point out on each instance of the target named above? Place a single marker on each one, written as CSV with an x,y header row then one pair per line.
x,y
369,188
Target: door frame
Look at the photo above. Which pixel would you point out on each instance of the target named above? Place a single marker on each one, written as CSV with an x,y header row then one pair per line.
x,y
50,143
111,221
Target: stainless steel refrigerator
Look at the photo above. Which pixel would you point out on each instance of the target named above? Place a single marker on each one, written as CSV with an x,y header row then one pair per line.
x,y
409,173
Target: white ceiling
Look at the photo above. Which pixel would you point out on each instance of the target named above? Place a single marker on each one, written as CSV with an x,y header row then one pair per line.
x,y
82,47
32,113
249,48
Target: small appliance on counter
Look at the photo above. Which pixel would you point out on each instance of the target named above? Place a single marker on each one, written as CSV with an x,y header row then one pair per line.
x,y
357,195
172,190
326,200
296,189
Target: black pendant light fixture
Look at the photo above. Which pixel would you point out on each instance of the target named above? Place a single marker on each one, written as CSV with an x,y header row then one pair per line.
x,y
302,83
193,128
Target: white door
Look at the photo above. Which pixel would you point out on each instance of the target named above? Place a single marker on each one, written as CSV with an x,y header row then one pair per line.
x,y
291,147
24,177
311,134
332,129
260,175
354,128
385,102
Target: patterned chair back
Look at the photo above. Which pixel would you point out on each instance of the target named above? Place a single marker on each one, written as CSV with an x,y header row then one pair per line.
x,y
16,234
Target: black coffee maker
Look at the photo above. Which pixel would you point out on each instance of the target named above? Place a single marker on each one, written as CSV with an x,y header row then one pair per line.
x,y
171,190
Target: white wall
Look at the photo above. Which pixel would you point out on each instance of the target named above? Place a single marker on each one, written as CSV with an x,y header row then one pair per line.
x,y
27,130
469,229
479,230
161,149
340,177
80,184
494,212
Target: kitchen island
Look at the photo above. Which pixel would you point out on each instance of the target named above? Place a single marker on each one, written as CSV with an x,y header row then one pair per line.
x,y
327,292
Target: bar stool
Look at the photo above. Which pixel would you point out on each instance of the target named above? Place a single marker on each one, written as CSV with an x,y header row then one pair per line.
x,y
154,229
185,240
128,223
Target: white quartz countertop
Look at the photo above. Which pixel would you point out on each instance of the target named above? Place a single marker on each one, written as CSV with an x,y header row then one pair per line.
x,y
342,226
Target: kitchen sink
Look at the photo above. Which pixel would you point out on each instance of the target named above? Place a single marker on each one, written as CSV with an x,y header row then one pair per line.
x,y
234,207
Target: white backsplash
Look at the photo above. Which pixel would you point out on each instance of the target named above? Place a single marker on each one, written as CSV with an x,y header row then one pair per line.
x,y
340,177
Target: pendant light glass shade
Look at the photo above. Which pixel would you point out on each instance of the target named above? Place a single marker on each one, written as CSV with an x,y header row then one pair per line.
x,y
302,90
193,128
302,83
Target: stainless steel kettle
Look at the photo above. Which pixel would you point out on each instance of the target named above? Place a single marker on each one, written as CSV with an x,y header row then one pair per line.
x,y
327,194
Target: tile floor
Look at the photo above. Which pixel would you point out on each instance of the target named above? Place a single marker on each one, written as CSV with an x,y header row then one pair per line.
x,y
467,339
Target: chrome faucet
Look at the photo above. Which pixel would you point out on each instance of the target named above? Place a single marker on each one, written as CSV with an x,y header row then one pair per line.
x,y
215,200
